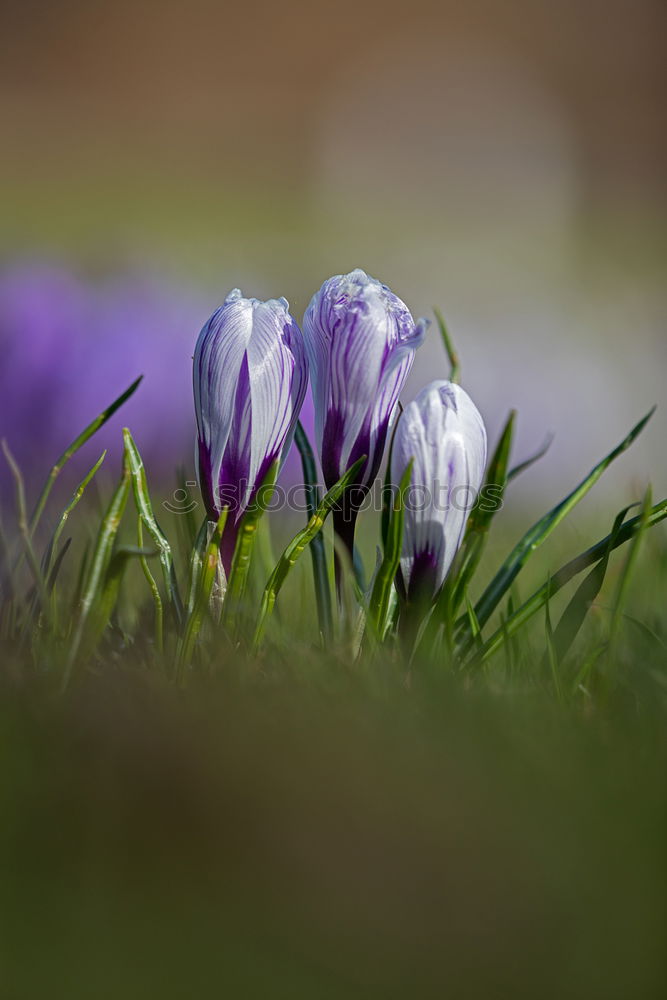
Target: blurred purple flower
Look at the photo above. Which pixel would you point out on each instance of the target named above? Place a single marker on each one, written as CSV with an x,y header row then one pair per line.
x,y
250,375
444,435
70,347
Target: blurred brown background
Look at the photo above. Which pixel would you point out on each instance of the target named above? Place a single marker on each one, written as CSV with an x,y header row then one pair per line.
x,y
505,161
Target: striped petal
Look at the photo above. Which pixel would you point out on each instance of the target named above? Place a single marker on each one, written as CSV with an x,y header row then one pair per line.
x,y
278,378
250,377
219,357
360,339
443,434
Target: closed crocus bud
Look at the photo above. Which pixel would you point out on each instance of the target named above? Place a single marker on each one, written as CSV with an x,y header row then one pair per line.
x,y
443,434
250,375
361,341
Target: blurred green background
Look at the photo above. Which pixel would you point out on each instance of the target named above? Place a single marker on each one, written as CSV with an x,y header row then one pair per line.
x,y
506,162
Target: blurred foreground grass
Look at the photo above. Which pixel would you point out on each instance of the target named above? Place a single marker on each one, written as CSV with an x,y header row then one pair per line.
x,y
309,824
297,829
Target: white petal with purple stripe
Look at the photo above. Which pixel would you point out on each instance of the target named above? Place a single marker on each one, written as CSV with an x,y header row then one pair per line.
x,y
360,339
444,435
250,376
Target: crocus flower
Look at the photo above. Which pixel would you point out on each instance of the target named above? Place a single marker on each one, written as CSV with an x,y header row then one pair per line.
x,y
250,376
361,341
443,433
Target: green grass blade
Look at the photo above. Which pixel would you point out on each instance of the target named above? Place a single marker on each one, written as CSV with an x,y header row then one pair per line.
x,y
454,366
6,575
57,563
581,681
388,489
81,577
238,575
584,673
551,654
571,569
51,582
647,632
197,557
541,530
145,508
628,567
510,646
297,546
105,602
154,589
78,442
99,564
380,602
24,531
208,567
475,630
481,516
317,551
76,497
491,495
576,611
527,462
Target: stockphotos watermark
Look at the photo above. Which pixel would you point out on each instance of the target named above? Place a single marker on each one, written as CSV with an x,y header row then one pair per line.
x,y
438,497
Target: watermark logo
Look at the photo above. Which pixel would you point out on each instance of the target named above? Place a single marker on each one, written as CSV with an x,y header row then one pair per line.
x,y
437,497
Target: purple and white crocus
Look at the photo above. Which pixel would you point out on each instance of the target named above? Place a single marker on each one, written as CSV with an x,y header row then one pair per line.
x,y
250,376
443,433
361,341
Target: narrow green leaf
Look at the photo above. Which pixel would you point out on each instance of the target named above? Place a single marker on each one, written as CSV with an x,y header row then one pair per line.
x,y
99,564
347,591
77,443
297,546
317,551
571,569
475,630
78,493
388,489
628,567
57,563
551,654
145,509
586,669
647,632
454,367
207,574
154,589
540,531
359,571
492,492
197,557
526,464
24,531
509,644
489,503
576,611
238,575
80,582
6,576
380,602
107,598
